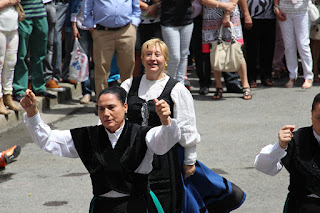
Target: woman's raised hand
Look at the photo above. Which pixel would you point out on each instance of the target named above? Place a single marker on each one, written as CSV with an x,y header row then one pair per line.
x,y
29,103
285,135
163,111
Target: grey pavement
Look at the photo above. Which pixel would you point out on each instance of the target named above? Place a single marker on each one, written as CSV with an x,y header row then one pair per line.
x,y
232,132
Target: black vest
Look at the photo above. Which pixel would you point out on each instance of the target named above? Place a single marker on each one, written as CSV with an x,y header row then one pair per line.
x,y
303,163
165,178
135,103
113,169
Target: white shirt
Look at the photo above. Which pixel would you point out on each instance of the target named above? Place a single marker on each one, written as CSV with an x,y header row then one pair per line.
x,y
159,140
8,18
183,111
268,161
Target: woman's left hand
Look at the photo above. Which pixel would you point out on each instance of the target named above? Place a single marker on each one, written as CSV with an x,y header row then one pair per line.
x,y
188,170
163,111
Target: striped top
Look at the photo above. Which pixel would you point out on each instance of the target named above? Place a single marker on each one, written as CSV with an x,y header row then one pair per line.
x,y
33,8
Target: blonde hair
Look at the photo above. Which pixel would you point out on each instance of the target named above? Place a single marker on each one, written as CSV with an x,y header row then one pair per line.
x,y
153,42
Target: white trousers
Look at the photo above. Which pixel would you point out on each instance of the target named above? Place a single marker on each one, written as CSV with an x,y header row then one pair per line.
x,y
178,40
295,31
9,42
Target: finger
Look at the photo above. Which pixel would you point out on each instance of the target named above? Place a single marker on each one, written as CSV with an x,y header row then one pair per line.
x,y
289,127
156,101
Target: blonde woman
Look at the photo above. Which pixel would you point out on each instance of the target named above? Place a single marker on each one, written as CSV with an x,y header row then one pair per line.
x,y
181,161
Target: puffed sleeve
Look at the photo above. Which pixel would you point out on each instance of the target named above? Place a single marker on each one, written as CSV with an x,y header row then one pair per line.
x,y
58,142
184,112
268,161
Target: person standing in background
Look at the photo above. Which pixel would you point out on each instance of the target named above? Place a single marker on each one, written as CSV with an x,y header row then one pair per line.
x,y
176,26
51,77
294,22
9,40
113,26
61,15
33,35
83,34
260,41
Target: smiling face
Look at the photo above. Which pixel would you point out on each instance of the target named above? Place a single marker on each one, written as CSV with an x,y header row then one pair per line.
x,y
153,61
155,56
111,111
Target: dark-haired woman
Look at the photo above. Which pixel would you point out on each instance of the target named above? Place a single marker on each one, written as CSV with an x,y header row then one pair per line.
x,y
299,152
117,154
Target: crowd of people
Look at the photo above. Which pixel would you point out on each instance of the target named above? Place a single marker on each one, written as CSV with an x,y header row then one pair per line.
x,y
123,39
32,55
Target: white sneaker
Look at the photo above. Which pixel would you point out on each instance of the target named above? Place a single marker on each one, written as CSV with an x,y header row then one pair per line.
x,y
85,99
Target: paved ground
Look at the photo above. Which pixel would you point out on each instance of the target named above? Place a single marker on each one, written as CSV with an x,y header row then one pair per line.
x,y
232,130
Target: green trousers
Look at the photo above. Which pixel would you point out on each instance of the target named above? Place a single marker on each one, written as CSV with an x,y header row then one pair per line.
x,y
33,35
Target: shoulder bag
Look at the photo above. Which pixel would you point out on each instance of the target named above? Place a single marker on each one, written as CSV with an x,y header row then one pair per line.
x,y
226,56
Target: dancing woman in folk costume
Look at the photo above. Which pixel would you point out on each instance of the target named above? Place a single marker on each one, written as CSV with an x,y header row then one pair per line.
x,y
117,154
177,177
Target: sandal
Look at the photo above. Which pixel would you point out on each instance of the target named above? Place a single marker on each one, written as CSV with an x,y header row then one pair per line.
x,y
290,83
247,93
307,84
276,74
268,82
253,84
218,94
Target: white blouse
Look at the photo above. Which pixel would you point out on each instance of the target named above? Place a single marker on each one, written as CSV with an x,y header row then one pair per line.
x,y
268,160
159,140
183,111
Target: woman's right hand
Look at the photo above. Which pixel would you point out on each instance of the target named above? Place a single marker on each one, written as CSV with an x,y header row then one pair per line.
x,y
29,103
285,135
228,6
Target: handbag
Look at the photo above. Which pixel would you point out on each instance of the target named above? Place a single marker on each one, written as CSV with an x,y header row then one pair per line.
x,y
226,56
313,11
79,64
21,14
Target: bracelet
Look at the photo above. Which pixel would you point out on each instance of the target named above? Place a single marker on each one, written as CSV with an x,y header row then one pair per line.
x,y
275,7
218,4
159,5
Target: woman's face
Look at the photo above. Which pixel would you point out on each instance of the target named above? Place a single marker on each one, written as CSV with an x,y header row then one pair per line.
x,y
153,61
111,112
316,118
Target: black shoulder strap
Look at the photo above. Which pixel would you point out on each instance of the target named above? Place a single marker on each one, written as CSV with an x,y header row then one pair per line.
x,y
135,86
